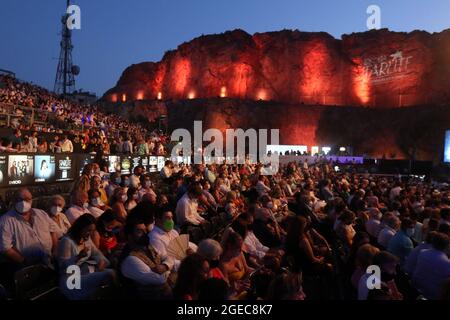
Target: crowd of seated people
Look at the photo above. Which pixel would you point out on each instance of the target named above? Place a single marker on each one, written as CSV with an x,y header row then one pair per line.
x,y
69,127
307,232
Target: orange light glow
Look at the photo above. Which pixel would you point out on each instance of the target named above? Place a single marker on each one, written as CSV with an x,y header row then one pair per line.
x,y
181,75
159,97
114,97
361,82
140,96
223,92
191,95
315,66
262,95
124,97
240,81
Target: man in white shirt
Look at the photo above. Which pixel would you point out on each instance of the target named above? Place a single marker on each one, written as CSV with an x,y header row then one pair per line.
x,y
373,225
187,206
79,206
27,235
66,145
261,186
143,266
391,225
163,233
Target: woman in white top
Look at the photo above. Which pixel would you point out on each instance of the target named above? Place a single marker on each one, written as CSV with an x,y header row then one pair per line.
x,y
55,211
78,254
344,227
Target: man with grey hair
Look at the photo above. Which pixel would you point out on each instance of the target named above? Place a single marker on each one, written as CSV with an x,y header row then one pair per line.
x,y
391,225
27,235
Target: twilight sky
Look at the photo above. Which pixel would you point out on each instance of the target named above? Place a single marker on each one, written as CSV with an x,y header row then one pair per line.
x,y
117,33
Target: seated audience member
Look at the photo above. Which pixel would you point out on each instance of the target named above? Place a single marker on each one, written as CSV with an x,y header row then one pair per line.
x,y
193,271
96,184
364,259
233,264
114,182
344,227
163,233
57,204
211,250
107,230
265,227
391,224
445,216
411,260
373,225
187,207
433,267
301,249
146,187
262,187
142,267
96,205
209,197
76,248
401,244
388,267
27,235
117,203
132,199
252,245
79,206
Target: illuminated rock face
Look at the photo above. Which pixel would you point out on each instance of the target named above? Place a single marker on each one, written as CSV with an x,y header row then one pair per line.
x,y
375,68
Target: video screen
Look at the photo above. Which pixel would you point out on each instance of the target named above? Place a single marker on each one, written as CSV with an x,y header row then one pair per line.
x,y
153,164
144,163
113,164
86,160
161,161
20,170
447,147
125,165
44,168
3,170
135,161
64,168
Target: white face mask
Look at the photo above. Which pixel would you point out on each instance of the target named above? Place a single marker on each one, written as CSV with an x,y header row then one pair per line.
x,y
147,184
124,198
23,206
97,202
55,210
135,196
85,205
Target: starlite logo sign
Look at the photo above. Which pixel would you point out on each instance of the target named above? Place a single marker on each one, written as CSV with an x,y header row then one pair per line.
x,y
387,67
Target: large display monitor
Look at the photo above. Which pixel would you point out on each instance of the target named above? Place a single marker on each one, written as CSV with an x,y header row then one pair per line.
x,y
153,164
20,169
65,168
113,164
125,165
447,147
44,168
3,170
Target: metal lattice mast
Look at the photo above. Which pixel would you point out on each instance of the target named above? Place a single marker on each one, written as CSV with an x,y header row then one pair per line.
x,y
65,79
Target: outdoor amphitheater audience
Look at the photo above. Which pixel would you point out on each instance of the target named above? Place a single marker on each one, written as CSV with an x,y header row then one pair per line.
x,y
247,237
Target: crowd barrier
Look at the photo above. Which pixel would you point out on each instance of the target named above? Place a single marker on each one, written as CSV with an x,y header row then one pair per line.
x,y
31,169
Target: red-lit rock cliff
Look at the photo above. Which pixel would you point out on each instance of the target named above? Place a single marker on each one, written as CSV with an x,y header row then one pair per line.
x,y
375,68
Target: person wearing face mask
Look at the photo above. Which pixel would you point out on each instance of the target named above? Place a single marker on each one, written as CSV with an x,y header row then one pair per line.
x,y
79,206
55,212
105,236
27,235
164,232
401,244
96,206
114,182
142,268
211,250
208,196
146,188
125,183
96,184
132,199
77,248
117,202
